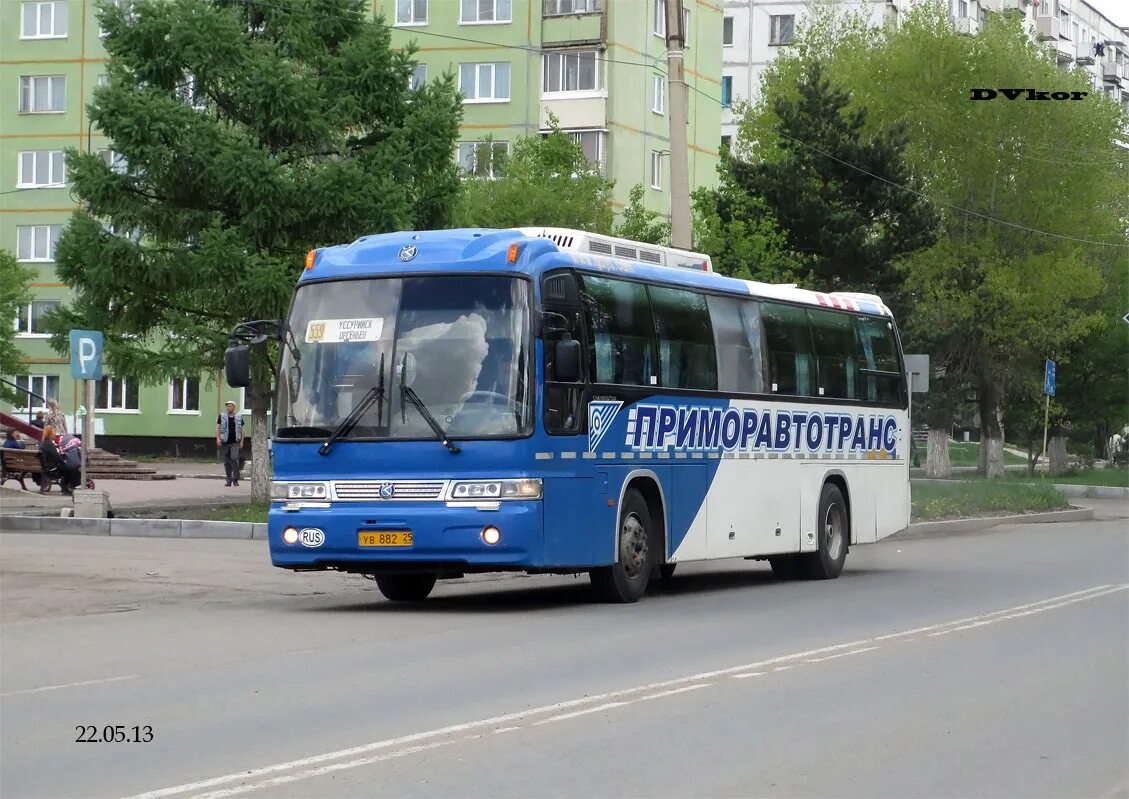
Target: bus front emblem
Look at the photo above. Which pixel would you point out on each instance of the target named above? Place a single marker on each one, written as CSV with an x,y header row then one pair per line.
x,y
408,252
387,490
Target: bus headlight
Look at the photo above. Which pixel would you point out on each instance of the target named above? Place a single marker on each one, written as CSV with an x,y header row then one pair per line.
x,y
280,491
528,488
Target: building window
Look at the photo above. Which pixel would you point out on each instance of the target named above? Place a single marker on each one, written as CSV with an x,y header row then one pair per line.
x,y
725,142
592,143
43,94
482,159
727,31
658,25
781,29
37,242
962,8
485,83
559,7
658,94
184,395
419,77
726,91
31,318
411,12
686,26
125,6
116,394
44,20
656,170
486,11
46,386
41,168
114,161
103,80
574,71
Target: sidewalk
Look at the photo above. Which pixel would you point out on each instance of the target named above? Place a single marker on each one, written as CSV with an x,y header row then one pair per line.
x,y
131,495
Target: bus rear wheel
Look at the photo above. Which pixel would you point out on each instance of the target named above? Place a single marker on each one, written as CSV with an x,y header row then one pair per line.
x,y
833,522
405,587
626,579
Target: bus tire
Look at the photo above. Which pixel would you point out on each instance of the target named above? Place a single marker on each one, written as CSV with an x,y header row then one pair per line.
x,y
785,567
405,587
833,525
626,579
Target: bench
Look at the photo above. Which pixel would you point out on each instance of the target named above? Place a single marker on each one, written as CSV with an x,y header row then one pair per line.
x,y
17,464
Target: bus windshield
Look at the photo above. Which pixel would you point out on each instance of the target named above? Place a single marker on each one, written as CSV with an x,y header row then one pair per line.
x,y
461,342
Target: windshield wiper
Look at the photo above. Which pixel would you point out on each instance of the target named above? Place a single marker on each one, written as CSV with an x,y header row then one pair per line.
x,y
408,394
349,422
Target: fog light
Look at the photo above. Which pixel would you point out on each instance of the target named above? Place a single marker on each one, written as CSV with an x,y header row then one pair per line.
x,y
290,535
491,535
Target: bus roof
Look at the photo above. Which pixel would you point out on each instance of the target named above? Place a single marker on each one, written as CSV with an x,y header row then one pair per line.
x,y
470,250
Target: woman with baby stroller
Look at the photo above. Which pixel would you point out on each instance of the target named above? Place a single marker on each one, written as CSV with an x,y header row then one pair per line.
x,y
61,461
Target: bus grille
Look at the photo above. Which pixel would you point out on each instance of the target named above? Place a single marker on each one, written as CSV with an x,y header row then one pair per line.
x,y
402,490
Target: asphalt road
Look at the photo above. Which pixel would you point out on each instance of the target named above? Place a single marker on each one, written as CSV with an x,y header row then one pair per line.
x,y
993,664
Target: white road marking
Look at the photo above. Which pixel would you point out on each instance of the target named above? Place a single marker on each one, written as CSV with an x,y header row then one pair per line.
x,y
501,730
575,713
682,690
748,674
1021,614
841,654
411,744
70,685
782,668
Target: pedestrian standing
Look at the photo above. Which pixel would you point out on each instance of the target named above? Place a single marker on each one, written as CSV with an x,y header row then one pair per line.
x,y
229,439
56,418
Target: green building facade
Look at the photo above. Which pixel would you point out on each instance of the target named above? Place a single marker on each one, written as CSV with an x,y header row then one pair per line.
x,y
598,65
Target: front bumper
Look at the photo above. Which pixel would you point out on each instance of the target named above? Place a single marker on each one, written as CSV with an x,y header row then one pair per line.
x,y
443,535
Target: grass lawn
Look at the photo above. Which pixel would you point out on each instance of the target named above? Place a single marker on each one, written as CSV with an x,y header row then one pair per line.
x,y
255,512
1089,477
964,498
963,453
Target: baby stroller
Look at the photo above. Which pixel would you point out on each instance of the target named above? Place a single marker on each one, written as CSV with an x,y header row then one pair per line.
x,y
66,468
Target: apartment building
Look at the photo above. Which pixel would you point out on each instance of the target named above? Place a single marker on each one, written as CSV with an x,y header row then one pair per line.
x,y
599,66
753,31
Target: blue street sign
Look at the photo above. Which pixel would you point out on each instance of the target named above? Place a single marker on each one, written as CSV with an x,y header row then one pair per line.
x,y
1049,379
86,355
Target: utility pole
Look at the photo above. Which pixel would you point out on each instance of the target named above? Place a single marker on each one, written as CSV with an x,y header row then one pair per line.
x,y
679,151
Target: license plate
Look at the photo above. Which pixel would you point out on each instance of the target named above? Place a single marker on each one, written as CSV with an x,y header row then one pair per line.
x,y
384,538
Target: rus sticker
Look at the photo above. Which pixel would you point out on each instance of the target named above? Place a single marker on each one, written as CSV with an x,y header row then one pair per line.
x,y
336,331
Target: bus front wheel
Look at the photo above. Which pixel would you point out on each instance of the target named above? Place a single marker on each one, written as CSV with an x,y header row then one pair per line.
x,y
405,587
626,579
833,522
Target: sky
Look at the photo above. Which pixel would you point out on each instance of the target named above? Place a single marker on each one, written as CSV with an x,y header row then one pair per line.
x,y
1117,10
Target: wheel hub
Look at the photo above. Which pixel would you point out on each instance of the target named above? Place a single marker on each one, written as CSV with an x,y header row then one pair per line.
x,y
633,545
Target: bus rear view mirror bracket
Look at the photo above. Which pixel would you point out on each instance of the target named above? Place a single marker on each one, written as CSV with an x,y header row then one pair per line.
x,y
566,360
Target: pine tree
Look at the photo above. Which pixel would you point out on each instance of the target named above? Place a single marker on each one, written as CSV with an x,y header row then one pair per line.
x,y
247,133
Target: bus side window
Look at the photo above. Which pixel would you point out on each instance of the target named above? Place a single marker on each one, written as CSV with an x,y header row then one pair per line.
x,y
621,347
562,318
686,349
837,353
736,325
882,377
789,349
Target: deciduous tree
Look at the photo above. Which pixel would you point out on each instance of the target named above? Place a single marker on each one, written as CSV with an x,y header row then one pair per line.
x,y
14,293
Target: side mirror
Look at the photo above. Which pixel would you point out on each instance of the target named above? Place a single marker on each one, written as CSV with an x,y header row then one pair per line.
x,y
566,360
407,370
237,366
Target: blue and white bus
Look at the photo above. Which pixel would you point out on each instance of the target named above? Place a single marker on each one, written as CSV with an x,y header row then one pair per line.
x,y
550,401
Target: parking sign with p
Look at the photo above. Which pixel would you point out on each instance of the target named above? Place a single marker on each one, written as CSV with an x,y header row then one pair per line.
x,y
86,355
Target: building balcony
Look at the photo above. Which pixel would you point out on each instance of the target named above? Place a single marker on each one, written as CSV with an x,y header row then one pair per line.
x,y
571,22
1113,72
1065,51
1017,6
1085,58
1047,28
967,26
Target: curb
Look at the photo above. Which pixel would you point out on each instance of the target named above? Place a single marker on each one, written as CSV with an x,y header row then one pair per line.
x,y
947,527
134,528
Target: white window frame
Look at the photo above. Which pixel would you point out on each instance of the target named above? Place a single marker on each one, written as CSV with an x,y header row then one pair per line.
x,y
56,169
40,389
58,20
25,318
656,170
27,94
601,143
556,8
658,19
732,31
598,89
184,381
123,384
495,147
125,5
495,20
493,68
774,29
419,77
725,78
115,161
658,94
410,20
23,231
